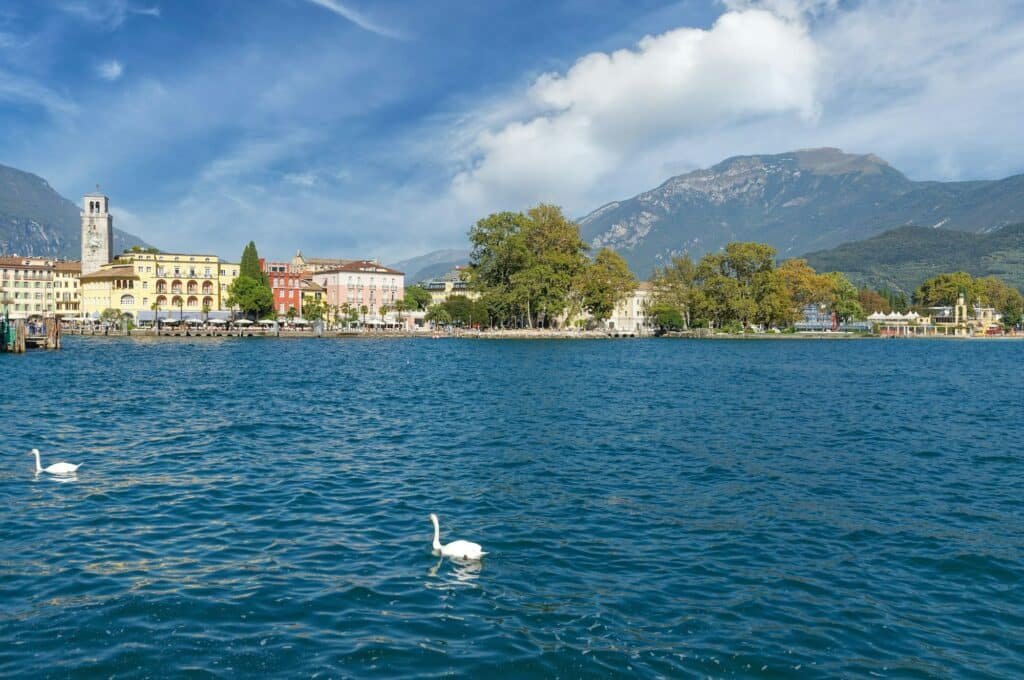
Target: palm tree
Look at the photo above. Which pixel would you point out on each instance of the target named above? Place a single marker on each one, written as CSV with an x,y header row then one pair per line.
x,y
155,308
365,310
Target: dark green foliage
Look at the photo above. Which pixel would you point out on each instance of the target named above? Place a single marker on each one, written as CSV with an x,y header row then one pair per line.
x,y
901,259
416,298
666,318
250,265
250,296
460,310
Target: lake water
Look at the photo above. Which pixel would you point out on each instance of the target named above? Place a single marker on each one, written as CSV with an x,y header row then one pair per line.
x,y
652,508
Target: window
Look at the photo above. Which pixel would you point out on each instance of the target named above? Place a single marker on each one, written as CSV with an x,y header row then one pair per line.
x,y
127,301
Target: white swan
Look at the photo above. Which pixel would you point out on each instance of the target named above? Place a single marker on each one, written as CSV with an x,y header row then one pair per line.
x,y
465,550
56,468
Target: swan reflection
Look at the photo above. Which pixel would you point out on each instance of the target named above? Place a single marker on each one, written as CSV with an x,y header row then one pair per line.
x,y
462,573
63,479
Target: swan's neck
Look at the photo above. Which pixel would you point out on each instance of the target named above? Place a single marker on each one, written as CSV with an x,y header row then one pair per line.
x,y
39,467
437,534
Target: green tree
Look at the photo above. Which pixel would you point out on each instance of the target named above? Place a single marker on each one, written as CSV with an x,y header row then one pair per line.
x,y
666,317
250,265
111,315
206,311
250,296
843,300
525,266
605,283
438,315
314,310
291,314
944,289
1006,299
364,310
675,286
416,298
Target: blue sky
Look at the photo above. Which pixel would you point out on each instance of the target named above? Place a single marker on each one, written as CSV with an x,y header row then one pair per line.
x,y
383,128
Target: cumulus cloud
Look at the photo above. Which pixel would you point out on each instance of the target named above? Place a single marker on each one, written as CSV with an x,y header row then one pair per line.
x,y
608,107
110,70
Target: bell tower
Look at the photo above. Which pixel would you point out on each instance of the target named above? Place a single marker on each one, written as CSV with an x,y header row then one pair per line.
x,y
97,232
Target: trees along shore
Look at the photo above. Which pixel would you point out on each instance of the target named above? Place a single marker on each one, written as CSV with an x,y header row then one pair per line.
x,y
532,270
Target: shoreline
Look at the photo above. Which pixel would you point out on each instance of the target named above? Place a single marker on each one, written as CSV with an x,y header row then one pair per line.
x,y
506,335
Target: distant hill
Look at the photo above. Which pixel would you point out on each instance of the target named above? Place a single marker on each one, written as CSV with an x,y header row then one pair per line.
x,y
902,258
36,220
798,202
431,265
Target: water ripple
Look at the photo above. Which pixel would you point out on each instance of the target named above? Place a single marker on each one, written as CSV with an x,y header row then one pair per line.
x,y
652,509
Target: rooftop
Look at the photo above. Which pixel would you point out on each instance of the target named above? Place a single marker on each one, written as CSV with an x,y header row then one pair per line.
x,y
361,267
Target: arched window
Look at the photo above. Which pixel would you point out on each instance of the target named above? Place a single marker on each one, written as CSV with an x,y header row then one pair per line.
x,y
162,301
127,300
193,302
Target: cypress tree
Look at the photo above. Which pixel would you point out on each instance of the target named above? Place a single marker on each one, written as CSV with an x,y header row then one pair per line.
x,y
250,265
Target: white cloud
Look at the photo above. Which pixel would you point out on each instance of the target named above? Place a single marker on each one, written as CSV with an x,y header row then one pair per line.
x,y
110,70
106,14
356,18
609,107
25,91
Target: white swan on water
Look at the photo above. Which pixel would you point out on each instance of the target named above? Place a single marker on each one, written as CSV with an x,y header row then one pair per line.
x,y
56,468
465,550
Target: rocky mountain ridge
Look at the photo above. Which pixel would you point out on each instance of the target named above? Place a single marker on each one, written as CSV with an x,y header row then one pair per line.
x,y
805,200
36,220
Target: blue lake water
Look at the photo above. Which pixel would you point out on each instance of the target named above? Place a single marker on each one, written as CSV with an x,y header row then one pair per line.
x,y
653,508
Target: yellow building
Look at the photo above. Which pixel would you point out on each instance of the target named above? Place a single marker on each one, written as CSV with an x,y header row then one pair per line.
x,y
136,282
447,286
66,291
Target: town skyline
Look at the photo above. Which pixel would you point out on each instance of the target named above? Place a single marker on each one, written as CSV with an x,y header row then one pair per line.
x,y
386,132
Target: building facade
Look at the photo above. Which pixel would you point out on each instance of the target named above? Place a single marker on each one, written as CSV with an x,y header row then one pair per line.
x,y
362,284
137,282
66,288
450,284
97,232
286,285
632,314
36,286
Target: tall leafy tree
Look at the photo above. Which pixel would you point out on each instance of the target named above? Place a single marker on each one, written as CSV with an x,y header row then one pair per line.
x,y
605,283
675,286
250,296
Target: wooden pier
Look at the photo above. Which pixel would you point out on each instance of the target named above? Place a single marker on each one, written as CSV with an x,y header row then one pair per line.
x,y
17,337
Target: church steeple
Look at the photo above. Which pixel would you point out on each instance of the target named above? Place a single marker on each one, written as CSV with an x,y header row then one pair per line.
x,y
97,232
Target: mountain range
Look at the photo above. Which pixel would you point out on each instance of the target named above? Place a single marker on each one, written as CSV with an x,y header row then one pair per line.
x,y
36,220
798,202
432,265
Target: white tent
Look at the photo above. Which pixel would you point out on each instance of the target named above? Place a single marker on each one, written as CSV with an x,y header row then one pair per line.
x,y
169,322
267,322
300,322
217,321
243,322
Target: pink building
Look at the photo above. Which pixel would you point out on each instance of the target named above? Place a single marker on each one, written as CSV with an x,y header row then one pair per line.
x,y
362,283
